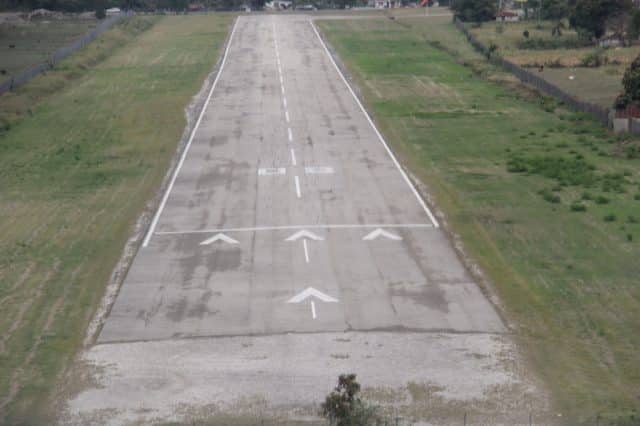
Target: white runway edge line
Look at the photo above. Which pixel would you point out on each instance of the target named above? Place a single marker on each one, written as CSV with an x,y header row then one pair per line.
x,y
366,114
165,197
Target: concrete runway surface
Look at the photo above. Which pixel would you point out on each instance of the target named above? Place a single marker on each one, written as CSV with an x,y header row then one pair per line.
x,y
289,247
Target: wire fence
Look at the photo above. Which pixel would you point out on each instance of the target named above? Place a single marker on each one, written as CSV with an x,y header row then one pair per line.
x,y
602,114
21,78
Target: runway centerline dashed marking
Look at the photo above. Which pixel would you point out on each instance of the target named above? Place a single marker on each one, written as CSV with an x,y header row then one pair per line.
x,y
298,193
293,157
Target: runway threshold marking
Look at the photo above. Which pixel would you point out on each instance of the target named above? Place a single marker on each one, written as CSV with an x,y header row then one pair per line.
x,y
375,129
301,227
165,197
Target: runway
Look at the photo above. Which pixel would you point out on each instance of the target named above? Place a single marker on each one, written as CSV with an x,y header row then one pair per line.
x,y
290,227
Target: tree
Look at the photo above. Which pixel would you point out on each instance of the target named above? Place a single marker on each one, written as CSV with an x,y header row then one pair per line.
x,y
343,407
590,16
474,10
554,9
630,86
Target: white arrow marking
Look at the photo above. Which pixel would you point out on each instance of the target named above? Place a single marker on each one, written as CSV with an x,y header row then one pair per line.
x,y
219,237
304,234
311,292
381,233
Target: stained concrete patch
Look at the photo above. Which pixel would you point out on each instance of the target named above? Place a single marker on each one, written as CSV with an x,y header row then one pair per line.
x,y
424,376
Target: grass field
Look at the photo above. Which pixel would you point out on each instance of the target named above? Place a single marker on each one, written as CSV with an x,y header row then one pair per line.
x,y
600,85
76,170
545,201
35,41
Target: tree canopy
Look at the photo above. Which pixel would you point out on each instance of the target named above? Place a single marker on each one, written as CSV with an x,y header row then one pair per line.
x,y
591,16
474,10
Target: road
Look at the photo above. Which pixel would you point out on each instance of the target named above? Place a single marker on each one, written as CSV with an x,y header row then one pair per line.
x,y
290,232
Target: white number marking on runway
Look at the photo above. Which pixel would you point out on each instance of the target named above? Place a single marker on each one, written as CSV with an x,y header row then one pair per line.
x,y
318,170
271,171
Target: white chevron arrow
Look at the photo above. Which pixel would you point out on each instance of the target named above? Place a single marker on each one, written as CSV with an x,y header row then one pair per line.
x,y
381,233
219,237
304,234
311,292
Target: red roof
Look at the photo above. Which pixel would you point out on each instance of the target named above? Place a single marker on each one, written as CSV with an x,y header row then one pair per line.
x,y
505,14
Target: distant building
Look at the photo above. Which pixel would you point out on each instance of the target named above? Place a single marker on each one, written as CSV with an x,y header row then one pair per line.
x,y
507,16
196,7
384,4
278,5
113,11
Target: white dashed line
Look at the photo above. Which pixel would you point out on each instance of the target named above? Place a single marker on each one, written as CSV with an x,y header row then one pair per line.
x,y
284,102
306,250
293,157
290,134
286,115
298,187
313,309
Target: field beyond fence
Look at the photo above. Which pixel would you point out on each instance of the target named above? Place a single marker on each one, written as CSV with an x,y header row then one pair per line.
x,y
23,77
602,114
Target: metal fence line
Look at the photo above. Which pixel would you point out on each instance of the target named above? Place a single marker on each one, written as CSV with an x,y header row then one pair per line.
x,y
60,54
602,114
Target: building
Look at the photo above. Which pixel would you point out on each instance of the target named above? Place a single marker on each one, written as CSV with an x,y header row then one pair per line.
x,y
506,16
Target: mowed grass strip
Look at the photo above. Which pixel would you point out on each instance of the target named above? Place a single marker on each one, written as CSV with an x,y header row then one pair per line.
x,y
75,173
546,201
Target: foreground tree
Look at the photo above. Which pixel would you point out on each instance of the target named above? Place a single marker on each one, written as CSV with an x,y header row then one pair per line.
x,y
630,86
474,10
343,407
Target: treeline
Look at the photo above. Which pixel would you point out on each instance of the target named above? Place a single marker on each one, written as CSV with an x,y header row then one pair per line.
x,y
592,19
148,5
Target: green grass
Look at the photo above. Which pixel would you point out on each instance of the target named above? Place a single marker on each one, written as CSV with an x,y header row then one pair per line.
x,y
34,41
519,178
77,167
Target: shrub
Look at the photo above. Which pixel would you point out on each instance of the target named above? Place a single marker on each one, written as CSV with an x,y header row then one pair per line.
x,y
525,34
343,407
601,199
550,196
595,59
578,207
610,217
100,13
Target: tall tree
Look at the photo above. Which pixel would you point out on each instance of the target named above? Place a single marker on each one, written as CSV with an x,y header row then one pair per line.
x,y
474,10
591,16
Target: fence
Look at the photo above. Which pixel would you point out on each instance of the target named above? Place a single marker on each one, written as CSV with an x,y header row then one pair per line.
x,y
26,75
602,114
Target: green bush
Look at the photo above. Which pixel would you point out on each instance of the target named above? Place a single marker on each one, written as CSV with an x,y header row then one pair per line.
x,y
343,407
610,217
539,43
578,207
595,59
549,196
601,199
